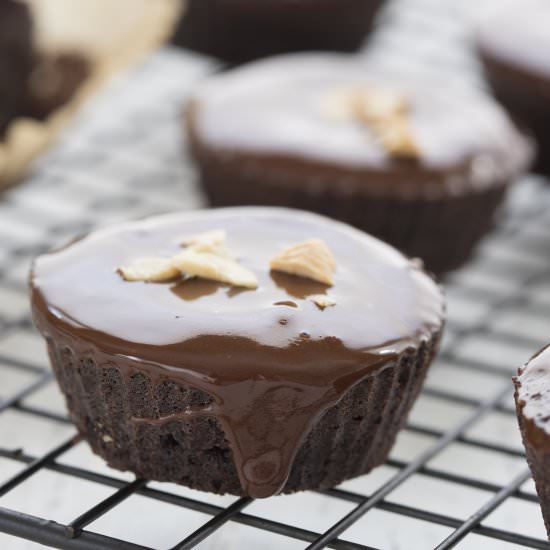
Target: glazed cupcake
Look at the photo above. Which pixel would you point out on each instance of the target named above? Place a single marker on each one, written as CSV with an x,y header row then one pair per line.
x,y
421,168
533,410
242,30
517,64
249,351
16,59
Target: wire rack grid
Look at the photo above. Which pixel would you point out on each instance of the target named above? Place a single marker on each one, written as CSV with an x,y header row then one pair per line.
x,y
457,476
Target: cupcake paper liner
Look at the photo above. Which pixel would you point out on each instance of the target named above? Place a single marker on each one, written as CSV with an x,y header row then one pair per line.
x,y
350,439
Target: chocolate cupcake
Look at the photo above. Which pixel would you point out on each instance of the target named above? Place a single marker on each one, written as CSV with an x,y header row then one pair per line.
x,y
291,367
533,409
16,59
240,30
517,64
55,80
423,169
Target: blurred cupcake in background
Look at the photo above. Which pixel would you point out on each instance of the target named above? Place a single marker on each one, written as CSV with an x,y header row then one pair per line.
x,y
420,167
242,30
16,59
514,45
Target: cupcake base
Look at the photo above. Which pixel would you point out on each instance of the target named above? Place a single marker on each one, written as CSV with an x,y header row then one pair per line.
x,y
432,222
116,408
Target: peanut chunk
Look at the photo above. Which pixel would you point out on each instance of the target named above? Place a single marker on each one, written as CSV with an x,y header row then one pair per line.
x,y
322,301
311,259
207,239
152,270
374,104
397,139
214,266
385,113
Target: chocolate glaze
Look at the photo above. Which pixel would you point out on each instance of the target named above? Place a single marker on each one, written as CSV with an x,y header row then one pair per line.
x,y
533,398
273,109
526,45
517,65
272,361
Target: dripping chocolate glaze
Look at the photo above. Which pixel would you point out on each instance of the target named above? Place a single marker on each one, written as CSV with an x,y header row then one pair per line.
x,y
271,360
533,398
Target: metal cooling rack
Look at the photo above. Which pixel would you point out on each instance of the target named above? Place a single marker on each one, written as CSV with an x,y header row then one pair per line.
x,y
457,476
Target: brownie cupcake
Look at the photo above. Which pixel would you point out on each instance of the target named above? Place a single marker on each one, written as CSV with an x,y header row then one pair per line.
x,y
533,409
242,30
16,59
249,351
517,63
55,80
419,167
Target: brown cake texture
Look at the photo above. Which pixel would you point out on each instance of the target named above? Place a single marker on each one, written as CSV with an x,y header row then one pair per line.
x,y
242,30
533,409
289,385
16,59
517,64
419,168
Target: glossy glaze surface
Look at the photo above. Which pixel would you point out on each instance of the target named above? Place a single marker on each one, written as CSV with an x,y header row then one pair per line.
x,y
533,395
277,107
518,33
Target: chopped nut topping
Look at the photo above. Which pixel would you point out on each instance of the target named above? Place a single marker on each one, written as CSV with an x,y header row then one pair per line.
x,y
153,270
214,266
397,138
311,259
206,239
205,256
210,241
373,104
338,104
384,112
322,301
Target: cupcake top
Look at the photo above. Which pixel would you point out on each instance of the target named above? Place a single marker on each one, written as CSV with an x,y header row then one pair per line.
x,y
533,390
380,296
517,33
300,340
329,109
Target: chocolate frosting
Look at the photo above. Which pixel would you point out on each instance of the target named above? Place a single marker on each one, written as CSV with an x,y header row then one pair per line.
x,y
518,32
271,360
533,397
276,107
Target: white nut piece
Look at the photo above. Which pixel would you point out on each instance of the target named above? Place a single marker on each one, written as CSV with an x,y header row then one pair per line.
x,y
382,111
207,239
311,259
387,115
152,270
397,138
213,266
338,105
376,104
322,301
